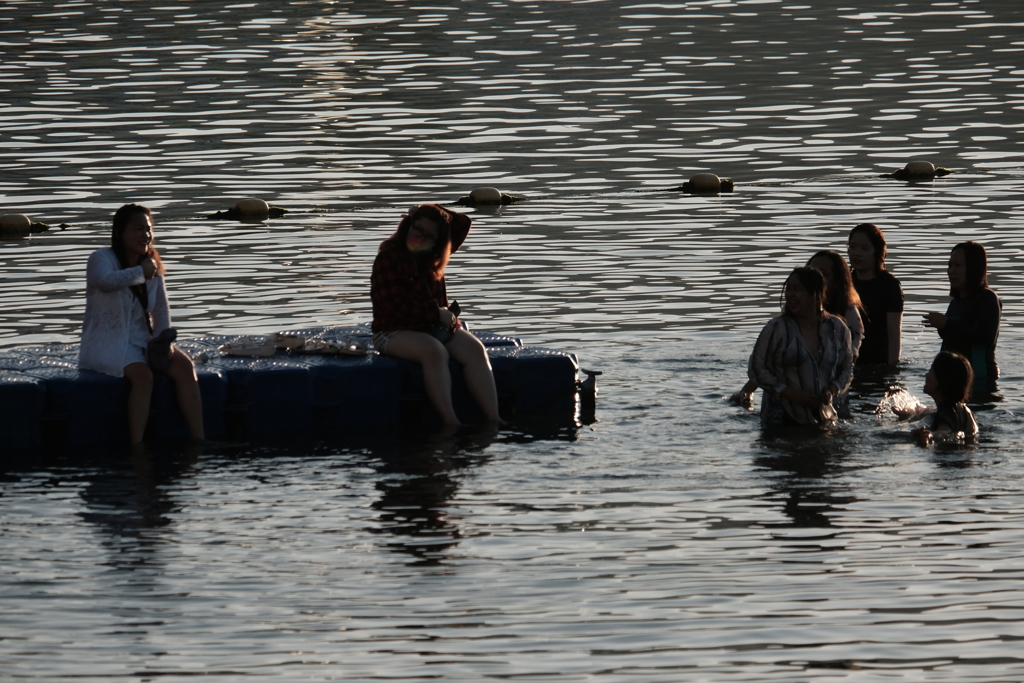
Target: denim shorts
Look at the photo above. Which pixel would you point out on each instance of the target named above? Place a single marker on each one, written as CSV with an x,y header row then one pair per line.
x,y
381,339
135,354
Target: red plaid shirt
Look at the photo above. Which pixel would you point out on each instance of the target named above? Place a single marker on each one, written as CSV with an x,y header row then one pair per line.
x,y
406,297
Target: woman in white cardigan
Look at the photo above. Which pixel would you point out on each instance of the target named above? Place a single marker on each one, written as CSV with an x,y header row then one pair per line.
x,y
117,328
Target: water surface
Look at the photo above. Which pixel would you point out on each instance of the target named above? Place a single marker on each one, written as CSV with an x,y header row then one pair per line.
x,y
669,540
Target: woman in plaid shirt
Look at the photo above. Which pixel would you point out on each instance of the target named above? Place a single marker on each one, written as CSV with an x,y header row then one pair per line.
x,y
804,358
411,319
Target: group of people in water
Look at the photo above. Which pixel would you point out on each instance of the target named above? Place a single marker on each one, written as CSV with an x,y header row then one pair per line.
x,y
835,317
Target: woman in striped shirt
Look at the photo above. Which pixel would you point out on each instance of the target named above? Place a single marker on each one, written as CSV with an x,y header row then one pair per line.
x,y
840,299
804,358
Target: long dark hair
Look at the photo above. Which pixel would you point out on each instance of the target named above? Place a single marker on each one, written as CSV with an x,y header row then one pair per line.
x,y
954,375
813,281
436,260
841,294
976,261
877,239
122,218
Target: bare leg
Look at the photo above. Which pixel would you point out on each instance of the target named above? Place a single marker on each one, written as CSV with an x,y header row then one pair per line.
x,y
139,397
424,349
476,366
186,385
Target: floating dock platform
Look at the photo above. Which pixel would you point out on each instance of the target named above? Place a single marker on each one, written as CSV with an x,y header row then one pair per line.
x,y
46,401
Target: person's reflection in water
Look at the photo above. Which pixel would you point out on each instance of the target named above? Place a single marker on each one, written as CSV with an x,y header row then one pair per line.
x,y
419,479
952,456
804,466
127,500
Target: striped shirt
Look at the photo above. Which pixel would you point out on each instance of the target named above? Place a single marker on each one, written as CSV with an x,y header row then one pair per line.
x,y
781,359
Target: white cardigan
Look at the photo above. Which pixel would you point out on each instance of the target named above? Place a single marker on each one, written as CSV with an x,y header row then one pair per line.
x,y
108,311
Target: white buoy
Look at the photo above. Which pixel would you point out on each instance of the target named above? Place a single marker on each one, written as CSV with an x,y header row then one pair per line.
x,y
706,182
486,195
920,169
15,222
252,207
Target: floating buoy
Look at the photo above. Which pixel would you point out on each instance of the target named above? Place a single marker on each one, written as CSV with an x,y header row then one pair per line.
x,y
485,196
918,170
252,207
250,210
15,222
707,183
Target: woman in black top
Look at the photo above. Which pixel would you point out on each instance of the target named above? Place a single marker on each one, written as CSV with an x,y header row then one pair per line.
x,y
880,294
970,325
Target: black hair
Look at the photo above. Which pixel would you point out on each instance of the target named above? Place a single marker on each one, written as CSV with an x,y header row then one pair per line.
x,y
842,294
813,281
877,239
976,261
122,217
954,375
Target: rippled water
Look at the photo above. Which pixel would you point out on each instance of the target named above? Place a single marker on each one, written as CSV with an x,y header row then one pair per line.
x,y
667,541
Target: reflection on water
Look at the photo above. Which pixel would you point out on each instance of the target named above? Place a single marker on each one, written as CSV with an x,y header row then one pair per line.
x,y
418,484
128,503
667,540
807,467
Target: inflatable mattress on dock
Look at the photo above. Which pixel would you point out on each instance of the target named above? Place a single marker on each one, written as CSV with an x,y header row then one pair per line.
x,y
46,401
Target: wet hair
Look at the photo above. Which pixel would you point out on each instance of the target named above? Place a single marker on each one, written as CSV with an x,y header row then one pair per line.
x,y
976,261
436,260
841,294
877,239
954,375
122,218
810,279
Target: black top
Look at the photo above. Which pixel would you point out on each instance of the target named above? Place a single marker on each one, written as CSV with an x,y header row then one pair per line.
x,y
880,296
972,330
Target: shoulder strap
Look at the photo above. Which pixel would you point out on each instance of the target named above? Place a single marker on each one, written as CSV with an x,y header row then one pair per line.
x,y
142,295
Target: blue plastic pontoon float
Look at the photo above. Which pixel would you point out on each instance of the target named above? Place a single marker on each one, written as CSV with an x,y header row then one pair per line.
x,y
46,401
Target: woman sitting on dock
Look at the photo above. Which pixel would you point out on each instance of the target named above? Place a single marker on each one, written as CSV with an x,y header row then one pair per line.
x,y
803,359
126,307
411,319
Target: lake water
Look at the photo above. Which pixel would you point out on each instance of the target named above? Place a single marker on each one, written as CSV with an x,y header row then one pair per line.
x,y
667,541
